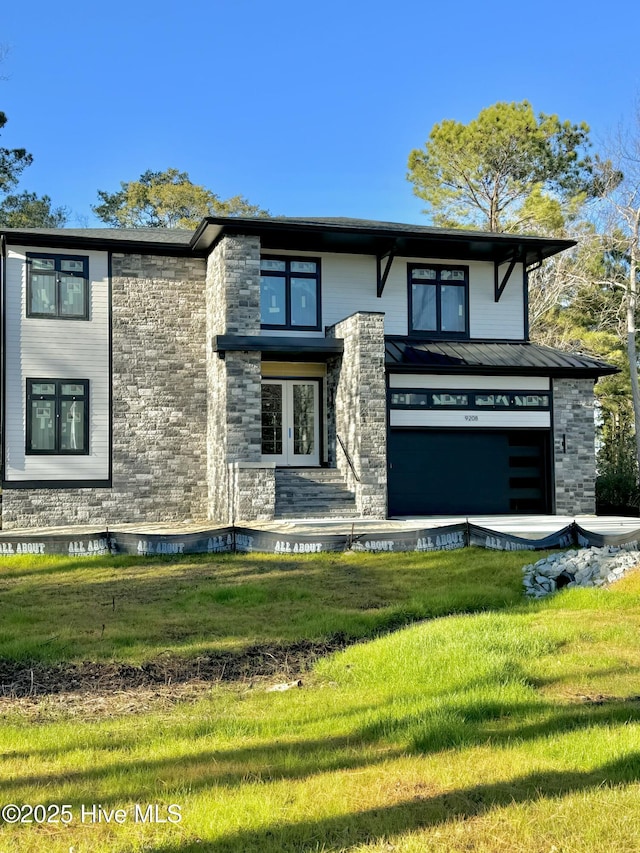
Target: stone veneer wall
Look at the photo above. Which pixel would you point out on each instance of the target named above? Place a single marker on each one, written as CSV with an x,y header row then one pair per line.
x,y
574,446
240,488
357,403
159,405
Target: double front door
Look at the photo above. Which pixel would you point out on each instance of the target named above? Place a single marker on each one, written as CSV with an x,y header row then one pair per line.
x,y
290,422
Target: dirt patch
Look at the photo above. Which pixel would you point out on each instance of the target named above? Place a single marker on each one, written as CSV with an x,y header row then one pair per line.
x,y
30,680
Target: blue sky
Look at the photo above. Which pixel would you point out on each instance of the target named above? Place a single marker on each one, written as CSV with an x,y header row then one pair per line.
x,y
307,109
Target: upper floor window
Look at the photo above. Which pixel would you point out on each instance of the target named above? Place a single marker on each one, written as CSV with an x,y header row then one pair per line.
x,y
57,416
439,300
290,293
58,286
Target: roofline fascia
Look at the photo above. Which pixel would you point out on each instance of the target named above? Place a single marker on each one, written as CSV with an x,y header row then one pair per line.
x,y
61,241
253,226
483,370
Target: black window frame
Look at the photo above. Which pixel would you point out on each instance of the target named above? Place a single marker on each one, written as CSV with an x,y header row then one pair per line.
x,y
438,283
57,271
428,404
59,398
287,274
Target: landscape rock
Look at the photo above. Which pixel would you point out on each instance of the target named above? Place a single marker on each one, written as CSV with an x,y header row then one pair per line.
x,y
588,567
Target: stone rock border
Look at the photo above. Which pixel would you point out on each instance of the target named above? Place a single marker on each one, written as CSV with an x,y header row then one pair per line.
x,y
588,567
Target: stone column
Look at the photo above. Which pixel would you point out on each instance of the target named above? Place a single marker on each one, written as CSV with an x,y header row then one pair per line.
x,y
357,401
240,488
574,446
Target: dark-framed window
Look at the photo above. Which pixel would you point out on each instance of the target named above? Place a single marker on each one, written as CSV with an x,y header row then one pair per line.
x,y
57,416
417,398
289,293
57,286
438,300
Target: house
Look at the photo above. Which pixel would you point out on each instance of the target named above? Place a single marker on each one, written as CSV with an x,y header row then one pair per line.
x,y
261,368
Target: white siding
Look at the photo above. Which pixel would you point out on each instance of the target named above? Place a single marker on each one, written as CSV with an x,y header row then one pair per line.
x,y
469,418
56,349
503,320
472,383
349,285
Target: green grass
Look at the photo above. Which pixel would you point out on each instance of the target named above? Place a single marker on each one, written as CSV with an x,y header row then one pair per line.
x,y
132,609
516,728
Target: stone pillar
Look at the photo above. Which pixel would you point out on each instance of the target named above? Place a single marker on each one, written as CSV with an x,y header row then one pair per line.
x,y
574,446
357,403
240,488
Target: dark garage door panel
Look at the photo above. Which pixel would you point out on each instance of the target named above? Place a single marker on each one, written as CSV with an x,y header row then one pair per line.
x,y
444,472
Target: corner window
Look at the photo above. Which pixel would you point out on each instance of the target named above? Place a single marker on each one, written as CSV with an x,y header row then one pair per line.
x,y
438,300
57,416
57,286
290,293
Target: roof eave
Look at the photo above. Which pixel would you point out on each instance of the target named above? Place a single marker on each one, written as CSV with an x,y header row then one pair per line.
x,y
64,241
499,370
407,243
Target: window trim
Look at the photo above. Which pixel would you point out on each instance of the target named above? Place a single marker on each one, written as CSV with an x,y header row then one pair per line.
x,y
287,274
57,264
438,333
58,397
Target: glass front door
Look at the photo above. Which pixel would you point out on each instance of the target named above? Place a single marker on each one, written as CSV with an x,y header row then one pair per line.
x,y
290,422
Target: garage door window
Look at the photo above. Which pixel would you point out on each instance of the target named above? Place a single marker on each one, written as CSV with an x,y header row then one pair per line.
x,y
413,398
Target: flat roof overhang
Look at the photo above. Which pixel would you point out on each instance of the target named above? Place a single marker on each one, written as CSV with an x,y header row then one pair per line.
x,y
379,239
274,347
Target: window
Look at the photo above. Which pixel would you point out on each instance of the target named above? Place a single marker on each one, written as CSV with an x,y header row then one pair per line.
x,y
438,300
413,398
290,293
58,286
57,416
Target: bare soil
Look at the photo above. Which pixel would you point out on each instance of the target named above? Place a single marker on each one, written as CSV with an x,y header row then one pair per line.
x,y
257,663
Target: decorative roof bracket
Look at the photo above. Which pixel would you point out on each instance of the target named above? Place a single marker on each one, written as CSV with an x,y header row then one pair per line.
x,y
499,286
383,275
536,265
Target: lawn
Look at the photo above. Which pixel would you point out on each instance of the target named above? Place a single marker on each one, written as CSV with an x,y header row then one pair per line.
x,y
504,726
132,609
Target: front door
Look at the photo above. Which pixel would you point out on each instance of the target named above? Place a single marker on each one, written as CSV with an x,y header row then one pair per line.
x,y
290,422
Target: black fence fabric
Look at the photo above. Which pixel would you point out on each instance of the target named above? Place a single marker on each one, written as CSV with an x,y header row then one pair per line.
x,y
586,539
485,538
244,540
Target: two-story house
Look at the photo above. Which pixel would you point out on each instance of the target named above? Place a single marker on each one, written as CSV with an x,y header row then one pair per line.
x,y
262,368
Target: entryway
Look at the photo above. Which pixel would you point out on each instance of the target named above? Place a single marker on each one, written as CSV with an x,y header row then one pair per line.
x,y
291,422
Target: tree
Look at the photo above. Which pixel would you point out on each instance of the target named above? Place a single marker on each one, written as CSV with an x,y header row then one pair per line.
x,y
167,200
27,210
23,210
507,170
623,236
12,162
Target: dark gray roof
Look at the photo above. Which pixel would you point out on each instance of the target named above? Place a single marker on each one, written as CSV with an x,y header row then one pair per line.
x,y
162,238
518,358
321,234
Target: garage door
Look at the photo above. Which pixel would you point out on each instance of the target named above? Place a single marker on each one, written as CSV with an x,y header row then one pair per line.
x,y
438,472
